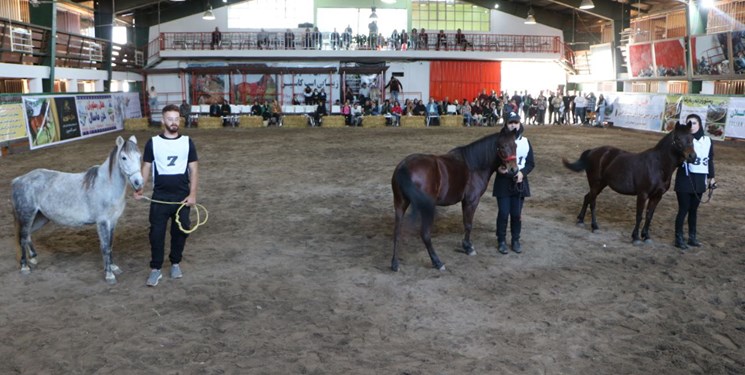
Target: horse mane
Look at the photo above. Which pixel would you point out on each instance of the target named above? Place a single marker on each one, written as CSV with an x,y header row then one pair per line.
x,y
480,154
89,180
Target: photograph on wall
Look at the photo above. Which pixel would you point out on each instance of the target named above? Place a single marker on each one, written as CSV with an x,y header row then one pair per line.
x,y
670,58
209,88
710,54
248,88
12,125
671,115
640,61
42,127
738,51
711,109
67,115
308,89
96,114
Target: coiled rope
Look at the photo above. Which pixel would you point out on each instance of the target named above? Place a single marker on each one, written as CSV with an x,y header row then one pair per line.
x,y
197,206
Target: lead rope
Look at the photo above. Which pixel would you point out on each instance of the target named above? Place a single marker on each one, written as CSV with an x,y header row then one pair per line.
x,y
178,220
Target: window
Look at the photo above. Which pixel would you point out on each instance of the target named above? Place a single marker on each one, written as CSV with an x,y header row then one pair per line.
x,y
449,15
270,14
359,19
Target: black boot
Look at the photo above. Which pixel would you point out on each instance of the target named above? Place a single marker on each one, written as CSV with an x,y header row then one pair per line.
x,y
516,246
679,242
692,241
502,247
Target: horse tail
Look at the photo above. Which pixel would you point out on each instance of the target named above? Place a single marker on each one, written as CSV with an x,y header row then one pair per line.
x,y
421,203
579,165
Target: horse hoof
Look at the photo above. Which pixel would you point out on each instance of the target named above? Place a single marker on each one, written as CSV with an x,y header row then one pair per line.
x,y
636,242
581,224
33,261
25,270
471,253
648,241
110,279
116,270
394,267
442,268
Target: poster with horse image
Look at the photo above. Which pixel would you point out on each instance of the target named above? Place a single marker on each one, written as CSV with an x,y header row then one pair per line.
x,y
711,109
209,88
67,115
12,125
96,114
294,86
249,87
640,61
126,105
42,126
670,58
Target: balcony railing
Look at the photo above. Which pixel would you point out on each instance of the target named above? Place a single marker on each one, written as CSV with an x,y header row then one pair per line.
x,y
323,41
24,43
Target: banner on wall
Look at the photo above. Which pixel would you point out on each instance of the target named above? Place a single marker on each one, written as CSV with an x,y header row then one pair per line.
x,y
51,120
296,86
12,125
735,118
711,109
127,105
643,112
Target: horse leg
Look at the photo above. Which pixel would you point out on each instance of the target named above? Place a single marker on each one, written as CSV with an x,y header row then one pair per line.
x,y
468,210
583,211
39,221
24,220
105,236
594,192
651,206
641,200
427,239
401,207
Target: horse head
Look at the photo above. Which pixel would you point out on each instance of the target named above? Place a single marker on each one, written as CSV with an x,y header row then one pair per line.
x,y
507,149
683,142
129,160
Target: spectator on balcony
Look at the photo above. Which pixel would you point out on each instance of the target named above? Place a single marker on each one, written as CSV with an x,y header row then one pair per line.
x,y
442,40
347,37
216,39
423,39
373,34
317,40
404,40
334,40
307,39
395,41
289,39
262,39
414,39
460,40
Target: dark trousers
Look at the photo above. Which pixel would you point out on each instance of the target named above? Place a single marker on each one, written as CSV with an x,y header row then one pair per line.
x,y
687,206
509,207
159,216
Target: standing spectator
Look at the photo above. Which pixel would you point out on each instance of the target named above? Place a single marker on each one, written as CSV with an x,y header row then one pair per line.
x,y
216,38
364,93
423,39
580,106
600,118
322,97
184,109
372,37
442,40
347,37
414,39
348,94
691,183
395,87
395,40
550,106
334,39
317,40
510,189
404,40
541,108
173,159
308,93
289,39
307,39
591,105
556,103
152,99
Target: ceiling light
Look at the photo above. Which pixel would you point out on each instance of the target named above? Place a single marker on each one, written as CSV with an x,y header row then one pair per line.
x,y
496,5
530,19
373,16
208,15
388,1
586,4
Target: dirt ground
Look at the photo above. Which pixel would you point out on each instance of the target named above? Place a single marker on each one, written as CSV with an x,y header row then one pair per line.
x,y
291,273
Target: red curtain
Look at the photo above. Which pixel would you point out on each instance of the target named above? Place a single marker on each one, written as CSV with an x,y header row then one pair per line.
x,y
463,79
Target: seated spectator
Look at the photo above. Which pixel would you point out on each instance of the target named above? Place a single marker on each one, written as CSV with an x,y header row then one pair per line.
x,y
256,109
396,112
275,114
433,113
461,41
289,39
346,111
465,110
356,116
442,40
215,110
476,114
419,108
319,114
225,113
334,39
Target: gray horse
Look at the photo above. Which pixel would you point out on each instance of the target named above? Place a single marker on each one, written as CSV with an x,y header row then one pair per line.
x,y
75,199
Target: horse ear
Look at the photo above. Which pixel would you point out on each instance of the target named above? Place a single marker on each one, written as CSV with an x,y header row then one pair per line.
x,y
119,141
133,139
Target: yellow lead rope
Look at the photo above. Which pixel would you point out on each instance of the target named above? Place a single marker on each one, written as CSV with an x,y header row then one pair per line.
x,y
197,206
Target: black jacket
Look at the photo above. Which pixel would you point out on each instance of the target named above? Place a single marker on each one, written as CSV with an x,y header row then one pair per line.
x,y
505,184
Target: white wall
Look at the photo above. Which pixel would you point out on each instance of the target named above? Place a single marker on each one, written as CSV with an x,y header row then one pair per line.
x,y
415,79
533,76
503,23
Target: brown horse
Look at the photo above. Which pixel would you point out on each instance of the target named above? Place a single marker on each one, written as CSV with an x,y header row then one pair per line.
x,y
461,175
646,174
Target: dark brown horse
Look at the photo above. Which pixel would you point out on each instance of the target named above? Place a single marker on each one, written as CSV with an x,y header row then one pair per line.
x,y
461,175
646,174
